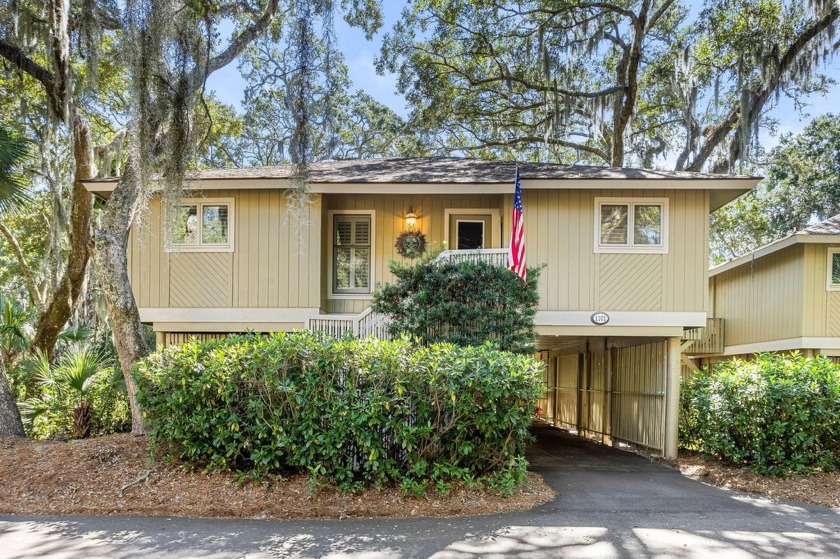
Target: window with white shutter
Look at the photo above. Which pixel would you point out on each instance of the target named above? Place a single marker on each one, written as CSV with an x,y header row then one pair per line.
x,y
351,254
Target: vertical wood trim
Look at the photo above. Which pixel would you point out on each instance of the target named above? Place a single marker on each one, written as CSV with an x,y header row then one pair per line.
x,y
672,399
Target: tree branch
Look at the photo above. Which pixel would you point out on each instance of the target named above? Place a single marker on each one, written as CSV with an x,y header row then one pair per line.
x,y
236,46
19,60
717,134
24,267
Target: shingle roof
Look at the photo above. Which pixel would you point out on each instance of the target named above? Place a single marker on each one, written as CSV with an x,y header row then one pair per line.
x,y
830,226
443,170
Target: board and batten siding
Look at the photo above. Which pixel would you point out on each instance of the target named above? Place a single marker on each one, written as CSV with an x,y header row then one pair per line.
x,y
389,220
560,232
274,264
762,301
821,308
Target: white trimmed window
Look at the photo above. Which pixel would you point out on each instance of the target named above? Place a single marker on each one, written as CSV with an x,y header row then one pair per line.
x,y
351,254
202,225
834,269
631,225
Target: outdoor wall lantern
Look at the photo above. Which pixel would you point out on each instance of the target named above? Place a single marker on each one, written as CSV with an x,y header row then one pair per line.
x,y
410,219
411,243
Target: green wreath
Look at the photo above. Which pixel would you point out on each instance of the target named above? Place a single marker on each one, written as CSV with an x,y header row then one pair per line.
x,y
411,244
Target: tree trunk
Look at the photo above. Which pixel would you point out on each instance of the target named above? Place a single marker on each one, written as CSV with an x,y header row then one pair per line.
x,y
60,306
111,261
10,422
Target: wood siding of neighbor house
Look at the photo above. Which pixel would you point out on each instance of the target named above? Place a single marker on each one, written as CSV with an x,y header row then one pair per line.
x,y
821,308
559,232
762,301
389,221
271,266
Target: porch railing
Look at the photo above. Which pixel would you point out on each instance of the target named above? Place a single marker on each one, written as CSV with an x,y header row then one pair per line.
x,y
707,340
496,256
369,323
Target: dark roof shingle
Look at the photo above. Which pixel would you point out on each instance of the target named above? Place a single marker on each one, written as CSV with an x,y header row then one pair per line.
x,y
830,226
443,170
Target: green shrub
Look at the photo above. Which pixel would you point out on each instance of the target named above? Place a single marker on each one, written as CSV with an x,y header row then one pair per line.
x,y
348,411
51,415
774,414
461,303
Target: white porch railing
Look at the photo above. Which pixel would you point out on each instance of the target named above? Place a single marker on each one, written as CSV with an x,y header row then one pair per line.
x,y
369,323
496,256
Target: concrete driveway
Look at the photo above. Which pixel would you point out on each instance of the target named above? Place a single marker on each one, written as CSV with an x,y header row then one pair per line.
x,y
609,504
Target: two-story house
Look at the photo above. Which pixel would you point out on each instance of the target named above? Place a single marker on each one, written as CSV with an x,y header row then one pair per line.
x,y
625,254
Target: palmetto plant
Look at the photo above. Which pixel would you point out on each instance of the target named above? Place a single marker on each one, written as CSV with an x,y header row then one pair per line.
x,y
74,376
13,189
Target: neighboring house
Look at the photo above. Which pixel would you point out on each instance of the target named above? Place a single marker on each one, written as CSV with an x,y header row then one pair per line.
x,y
782,297
625,254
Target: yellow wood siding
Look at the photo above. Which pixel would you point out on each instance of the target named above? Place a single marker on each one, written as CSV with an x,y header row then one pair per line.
x,y
560,229
821,308
275,263
389,221
762,301
210,270
638,405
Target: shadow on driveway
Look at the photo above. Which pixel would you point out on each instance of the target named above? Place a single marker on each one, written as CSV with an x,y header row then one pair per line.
x,y
609,504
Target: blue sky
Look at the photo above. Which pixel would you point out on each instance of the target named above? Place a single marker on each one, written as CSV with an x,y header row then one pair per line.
x,y
360,53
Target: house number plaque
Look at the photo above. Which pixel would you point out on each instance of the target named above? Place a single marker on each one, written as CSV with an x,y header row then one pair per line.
x,y
599,318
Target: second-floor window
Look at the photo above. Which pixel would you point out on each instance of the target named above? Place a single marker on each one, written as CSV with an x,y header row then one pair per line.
x,y
202,225
631,225
834,269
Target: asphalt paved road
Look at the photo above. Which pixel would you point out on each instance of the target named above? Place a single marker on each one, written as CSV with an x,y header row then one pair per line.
x,y
609,504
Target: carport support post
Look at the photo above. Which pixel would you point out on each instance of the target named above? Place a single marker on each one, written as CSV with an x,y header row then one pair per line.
x,y
672,397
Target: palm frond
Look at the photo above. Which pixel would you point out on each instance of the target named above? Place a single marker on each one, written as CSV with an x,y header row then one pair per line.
x,y
78,369
14,318
39,367
77,333
13,189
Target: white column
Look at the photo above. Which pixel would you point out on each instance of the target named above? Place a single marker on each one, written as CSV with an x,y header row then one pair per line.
x,y
672,398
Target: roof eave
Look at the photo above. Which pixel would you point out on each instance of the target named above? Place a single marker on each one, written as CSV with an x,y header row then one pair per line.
x,y
775,246
724,189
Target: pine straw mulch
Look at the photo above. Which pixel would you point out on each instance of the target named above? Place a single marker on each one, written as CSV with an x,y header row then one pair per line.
x,y
115,475
818,489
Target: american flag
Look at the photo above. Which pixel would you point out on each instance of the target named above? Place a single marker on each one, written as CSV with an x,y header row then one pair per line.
x,y
516,256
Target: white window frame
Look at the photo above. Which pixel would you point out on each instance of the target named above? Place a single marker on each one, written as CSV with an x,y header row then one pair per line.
x,y
331,294
630,247
199,203
483,230
495,225
829,285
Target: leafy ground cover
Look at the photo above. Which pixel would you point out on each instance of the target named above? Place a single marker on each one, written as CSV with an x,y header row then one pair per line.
x,y
115,475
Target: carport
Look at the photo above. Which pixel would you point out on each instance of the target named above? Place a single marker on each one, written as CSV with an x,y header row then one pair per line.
x,y
613,389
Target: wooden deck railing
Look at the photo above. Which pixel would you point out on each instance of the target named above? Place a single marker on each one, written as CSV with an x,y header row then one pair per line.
x,y
369,323
706,340
496,256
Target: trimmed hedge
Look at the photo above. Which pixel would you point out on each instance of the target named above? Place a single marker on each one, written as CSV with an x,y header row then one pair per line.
x,y
352,412
464,303
775,414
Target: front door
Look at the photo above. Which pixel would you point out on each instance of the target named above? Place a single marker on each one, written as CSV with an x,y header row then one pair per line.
x,y
470,231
